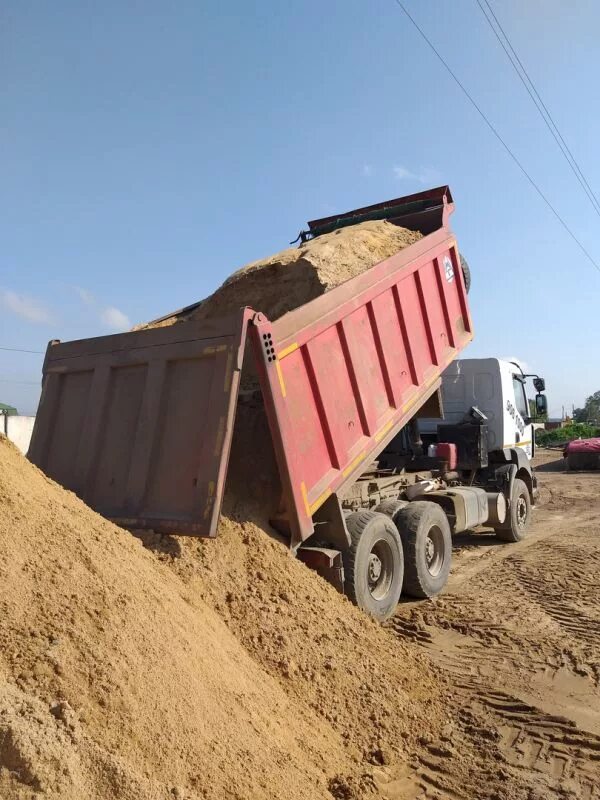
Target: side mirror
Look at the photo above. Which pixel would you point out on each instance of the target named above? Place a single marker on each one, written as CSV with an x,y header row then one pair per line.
x,y
540,384
541,405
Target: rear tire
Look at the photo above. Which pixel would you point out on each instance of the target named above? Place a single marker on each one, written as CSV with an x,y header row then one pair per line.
x,y
518,518
427,542
390,507
373,564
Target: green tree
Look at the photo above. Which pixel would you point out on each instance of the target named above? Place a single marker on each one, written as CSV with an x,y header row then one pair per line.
x,y
592,408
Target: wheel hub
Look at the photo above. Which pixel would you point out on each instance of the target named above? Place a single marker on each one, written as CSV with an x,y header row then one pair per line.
x,y
429,550
379,569
521,511
374,568
434,551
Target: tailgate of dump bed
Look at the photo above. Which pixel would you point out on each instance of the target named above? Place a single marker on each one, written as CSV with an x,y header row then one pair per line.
x,y
139,424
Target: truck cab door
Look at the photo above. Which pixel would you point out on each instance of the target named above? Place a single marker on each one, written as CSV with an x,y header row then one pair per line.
x,y
518,411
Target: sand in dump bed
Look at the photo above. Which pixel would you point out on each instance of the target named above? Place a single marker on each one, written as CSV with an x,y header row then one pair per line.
x,y
249,678
294,276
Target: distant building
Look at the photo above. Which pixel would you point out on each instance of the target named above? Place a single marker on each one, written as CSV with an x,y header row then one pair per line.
x,y
15,427
552,423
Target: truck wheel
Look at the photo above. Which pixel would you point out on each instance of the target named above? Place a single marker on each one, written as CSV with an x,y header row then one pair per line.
x,y
519,514
390,507
373,564
427,542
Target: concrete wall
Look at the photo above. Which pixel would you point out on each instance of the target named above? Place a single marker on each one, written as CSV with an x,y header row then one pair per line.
x,y
18,429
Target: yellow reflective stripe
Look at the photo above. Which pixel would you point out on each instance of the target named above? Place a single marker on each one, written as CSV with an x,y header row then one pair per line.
x,y
305,498
410,404
280,376
350,468
516,444
319,502
214,349
380,434
287,350
310,510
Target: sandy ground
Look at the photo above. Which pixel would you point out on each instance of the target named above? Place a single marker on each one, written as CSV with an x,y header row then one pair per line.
x,y
226,670
511,650
518,631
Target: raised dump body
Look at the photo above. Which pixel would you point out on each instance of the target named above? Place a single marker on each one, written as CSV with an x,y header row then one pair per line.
x,y
139,424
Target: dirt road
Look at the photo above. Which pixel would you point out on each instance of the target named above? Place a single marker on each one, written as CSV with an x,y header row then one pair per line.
x,y
518,633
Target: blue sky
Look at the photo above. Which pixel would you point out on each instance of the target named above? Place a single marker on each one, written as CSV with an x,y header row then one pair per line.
x,y
148,149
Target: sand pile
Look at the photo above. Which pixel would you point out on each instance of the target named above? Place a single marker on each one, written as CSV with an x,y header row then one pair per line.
x,y
380,695
118,681
230,671
294,276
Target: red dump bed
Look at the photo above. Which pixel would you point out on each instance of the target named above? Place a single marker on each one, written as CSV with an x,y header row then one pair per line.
x,y
353,366
140,424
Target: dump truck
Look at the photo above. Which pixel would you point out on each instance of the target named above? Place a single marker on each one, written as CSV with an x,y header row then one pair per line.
x,y
140,424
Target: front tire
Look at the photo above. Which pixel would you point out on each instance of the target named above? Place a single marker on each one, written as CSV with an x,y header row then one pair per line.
x,y
427,542
373,564
518,518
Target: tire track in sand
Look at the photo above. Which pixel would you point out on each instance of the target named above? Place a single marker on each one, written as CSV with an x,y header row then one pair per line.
x,y
518,636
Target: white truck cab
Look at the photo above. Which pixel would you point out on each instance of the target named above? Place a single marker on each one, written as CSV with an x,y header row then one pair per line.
x,y
491,393
497,388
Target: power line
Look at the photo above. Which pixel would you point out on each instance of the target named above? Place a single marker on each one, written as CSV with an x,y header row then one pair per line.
x,y
23,383
498,136
18,350
544,113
